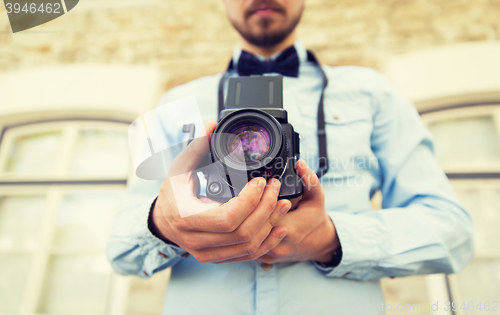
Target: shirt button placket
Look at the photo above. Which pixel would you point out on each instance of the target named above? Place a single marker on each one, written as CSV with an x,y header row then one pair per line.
x,y
266,289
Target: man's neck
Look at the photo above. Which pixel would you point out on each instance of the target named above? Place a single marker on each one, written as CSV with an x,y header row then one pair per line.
x,y
269,51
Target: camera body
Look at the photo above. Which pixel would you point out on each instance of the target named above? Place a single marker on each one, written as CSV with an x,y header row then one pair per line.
x,y
253,139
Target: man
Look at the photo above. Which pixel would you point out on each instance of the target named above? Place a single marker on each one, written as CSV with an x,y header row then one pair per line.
x,y
251,255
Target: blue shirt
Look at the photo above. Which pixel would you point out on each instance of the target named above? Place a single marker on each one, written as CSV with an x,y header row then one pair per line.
x,y
376,141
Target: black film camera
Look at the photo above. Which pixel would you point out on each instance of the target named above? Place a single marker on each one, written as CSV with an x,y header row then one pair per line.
x,y
253,139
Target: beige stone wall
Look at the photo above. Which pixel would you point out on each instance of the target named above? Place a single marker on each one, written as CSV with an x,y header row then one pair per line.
x,y
187,39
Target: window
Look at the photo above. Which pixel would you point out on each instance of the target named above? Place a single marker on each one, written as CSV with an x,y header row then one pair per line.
x,y
467,145
72,150
467,141
60,186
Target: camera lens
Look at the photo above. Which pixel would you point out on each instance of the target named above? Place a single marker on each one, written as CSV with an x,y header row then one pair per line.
x,y
248,143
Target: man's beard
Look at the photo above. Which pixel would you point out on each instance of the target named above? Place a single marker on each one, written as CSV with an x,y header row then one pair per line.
x,y
268,38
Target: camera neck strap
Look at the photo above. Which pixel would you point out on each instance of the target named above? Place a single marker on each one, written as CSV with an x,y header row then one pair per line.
x,y
323,154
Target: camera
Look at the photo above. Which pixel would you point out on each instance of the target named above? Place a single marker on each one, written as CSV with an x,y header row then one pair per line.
x,y
253,139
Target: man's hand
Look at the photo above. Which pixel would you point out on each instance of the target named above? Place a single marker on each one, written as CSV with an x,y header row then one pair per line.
x,y
311,234
243,228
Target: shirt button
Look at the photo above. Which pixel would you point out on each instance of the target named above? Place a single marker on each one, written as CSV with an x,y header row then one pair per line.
x,y
265,266
163,255
185,255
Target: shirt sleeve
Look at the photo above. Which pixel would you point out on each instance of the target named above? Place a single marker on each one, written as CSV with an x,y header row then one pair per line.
x,y
131,247
422,227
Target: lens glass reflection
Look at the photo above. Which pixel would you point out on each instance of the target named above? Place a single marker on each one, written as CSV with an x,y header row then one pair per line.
x,y
248,143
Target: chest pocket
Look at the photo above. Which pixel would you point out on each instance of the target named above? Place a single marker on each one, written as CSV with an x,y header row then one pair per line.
x,y
338,112
348,126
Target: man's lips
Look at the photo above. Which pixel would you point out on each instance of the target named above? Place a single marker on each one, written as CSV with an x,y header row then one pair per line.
x,y
264,11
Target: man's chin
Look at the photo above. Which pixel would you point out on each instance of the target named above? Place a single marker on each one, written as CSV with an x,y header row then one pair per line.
x,y
265,32
266,27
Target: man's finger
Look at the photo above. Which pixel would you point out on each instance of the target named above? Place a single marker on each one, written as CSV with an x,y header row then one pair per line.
x,y
252,223
246,231
228,216
192,155
251,249
242,250
272,240
209,128
311,181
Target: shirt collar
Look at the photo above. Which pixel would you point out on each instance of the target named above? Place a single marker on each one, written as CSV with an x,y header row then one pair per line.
x,y
299,47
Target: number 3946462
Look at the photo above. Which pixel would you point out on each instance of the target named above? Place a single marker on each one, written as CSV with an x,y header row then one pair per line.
x,y
42,8
488,306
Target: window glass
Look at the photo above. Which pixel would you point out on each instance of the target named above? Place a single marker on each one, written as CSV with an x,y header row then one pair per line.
x,y
100,153
83,220
471,141
480,282
145,296
75,285
408,290
13,276
20,218
482,204
34,154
